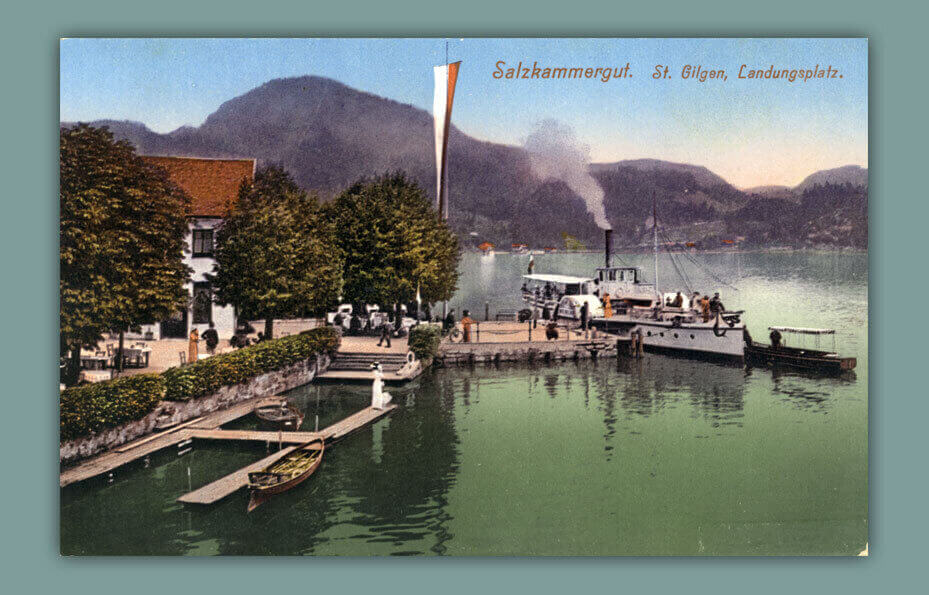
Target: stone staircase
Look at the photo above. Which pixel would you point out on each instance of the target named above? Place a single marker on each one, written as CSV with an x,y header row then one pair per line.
x,y
361,362
357,366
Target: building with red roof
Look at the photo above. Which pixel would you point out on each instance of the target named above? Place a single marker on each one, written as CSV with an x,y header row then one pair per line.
x,y
212,185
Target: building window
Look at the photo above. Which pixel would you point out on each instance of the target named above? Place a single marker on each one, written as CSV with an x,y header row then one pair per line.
x,y
203,303
203,242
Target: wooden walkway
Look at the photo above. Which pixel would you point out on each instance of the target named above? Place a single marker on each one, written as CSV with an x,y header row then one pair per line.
x,y
215,491
219,489
207,427
257,436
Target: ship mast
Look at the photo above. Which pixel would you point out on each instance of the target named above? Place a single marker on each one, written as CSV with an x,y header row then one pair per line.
x,y
655,242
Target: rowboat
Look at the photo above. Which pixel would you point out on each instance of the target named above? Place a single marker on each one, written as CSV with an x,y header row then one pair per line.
x,y
286,473
283,416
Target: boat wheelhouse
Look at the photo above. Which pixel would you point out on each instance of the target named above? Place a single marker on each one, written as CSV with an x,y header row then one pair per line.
x,y
625,285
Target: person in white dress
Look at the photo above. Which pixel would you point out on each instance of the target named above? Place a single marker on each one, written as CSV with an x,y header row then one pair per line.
x,y
379,397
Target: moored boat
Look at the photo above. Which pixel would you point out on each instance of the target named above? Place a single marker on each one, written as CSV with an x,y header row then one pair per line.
x,y
286,473
778,354
284,416
668,322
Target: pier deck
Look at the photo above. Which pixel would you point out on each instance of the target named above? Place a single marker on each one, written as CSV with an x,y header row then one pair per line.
x,y
256,436
207,427
219,489
215,491
493,342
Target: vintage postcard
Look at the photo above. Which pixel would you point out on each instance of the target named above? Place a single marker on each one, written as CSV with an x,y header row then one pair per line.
x,y
464,297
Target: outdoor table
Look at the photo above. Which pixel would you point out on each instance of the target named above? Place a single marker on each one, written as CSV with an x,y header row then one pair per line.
x,y
94,362
136,357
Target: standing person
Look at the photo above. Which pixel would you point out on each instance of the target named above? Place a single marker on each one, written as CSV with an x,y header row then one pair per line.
x,y
531,263
449,321
705,308
607,306
192,347
678,301
585,312
695,301
466,323
379,397
716,304
211,337
386,329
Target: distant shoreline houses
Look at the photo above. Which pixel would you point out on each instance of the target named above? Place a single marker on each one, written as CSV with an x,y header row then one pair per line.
x,y
212,185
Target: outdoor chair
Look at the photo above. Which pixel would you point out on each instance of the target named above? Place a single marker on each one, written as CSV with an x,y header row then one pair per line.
x,y
182,356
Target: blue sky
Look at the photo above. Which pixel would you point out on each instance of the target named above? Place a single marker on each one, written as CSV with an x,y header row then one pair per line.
x,y
751,132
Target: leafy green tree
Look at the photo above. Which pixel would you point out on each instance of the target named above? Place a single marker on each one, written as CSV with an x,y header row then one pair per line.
x,y
275,256
123,224
393,242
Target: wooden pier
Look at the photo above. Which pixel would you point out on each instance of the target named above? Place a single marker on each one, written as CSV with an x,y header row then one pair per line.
x,y
215,491
219,489
495,342
208,428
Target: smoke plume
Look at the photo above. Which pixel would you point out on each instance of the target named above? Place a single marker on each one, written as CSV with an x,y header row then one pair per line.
x,y
556,153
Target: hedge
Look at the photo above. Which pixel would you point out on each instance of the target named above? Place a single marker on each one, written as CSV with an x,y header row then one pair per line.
x,y
424,340
208,375
95,407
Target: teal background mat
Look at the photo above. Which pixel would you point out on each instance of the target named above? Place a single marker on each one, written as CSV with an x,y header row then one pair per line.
x,y
29,245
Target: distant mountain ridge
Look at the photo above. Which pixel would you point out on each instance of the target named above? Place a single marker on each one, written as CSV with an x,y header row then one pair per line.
x,y
848,174
701,174
329,135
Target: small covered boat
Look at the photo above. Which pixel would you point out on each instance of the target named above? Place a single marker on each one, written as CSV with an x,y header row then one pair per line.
x,y
280,416
286,473
779,354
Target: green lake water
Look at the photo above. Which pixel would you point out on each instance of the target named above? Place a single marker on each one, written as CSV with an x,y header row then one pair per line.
x,y
661,455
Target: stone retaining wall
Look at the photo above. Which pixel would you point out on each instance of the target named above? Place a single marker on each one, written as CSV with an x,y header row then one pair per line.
x,y
266,385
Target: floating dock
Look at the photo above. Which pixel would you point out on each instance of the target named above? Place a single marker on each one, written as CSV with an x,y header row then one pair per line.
x,y
215,491
208,428
219,489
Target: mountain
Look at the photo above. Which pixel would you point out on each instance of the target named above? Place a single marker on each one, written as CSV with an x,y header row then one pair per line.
x,y
329,135
771,191
848,174
701,175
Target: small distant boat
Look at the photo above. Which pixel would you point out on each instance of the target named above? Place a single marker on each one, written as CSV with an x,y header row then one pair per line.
x,y
778,354
286,473
283,416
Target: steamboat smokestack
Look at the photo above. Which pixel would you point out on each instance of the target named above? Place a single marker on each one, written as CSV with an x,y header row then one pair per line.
x,y
608,248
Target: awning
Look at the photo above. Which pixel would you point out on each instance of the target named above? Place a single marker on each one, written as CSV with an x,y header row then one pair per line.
x,y
557,279
802,331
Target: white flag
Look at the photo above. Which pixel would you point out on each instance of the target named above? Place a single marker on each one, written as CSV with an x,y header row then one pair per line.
x,y
445,78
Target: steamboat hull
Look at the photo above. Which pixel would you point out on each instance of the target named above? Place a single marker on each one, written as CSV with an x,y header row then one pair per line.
x,y
701,341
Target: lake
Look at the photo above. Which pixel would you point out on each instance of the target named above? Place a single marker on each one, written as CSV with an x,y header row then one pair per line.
x,y
657,456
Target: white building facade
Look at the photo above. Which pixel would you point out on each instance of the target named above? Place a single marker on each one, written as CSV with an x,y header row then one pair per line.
x,y
212,185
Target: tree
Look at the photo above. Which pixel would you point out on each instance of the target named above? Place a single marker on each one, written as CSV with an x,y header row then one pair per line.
x,y
393,243
275,256
123,225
